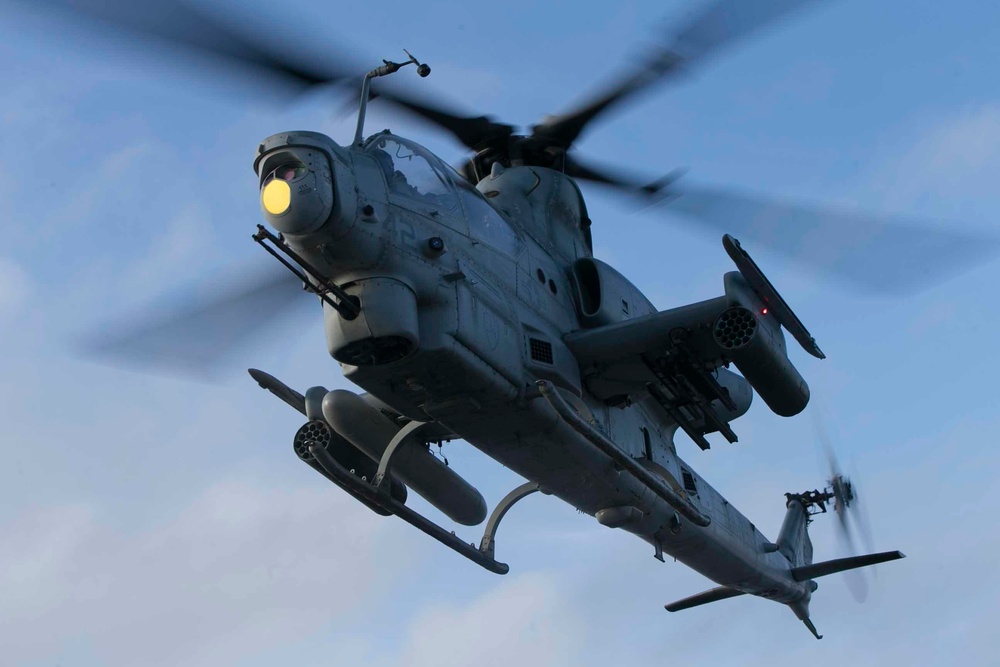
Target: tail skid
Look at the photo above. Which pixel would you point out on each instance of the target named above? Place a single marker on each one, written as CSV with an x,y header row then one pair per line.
x,y
812,628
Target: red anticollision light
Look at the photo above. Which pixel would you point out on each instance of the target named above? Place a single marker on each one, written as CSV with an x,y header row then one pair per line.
x,y
764,312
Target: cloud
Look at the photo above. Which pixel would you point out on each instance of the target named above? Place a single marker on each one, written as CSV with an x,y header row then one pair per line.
x,y
240,570
970,140
15,286
528,619
956,158
185,241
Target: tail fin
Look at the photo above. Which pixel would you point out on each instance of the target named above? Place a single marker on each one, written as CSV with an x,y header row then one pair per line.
x,y
805,572
711,595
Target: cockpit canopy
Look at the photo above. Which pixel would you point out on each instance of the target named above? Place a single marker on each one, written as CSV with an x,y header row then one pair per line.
x,y
411,170
421,182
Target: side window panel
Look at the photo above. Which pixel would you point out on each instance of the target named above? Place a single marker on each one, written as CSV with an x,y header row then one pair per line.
x,y
488,226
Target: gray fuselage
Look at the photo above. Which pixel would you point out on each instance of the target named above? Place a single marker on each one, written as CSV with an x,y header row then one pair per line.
x,y
460,335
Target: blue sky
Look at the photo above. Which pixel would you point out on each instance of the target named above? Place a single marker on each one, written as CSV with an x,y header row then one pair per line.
x,y
158,521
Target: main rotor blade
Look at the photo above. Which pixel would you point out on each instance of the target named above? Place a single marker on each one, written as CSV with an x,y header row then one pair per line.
x,y
616,178
720,24
179,25
196,337
475,132
182,25
878,253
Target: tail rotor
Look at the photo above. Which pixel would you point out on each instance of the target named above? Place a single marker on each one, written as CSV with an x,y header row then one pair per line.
x,y
853,526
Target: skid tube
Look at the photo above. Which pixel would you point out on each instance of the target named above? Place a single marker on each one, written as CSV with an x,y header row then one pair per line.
x,y
377,494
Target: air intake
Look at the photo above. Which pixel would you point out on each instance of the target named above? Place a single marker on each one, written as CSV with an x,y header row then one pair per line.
x,y
541,350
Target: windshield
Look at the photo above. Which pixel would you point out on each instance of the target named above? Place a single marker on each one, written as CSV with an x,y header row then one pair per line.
x,y
415,173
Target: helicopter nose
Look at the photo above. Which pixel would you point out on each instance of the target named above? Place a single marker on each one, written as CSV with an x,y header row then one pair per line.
x,y
300,173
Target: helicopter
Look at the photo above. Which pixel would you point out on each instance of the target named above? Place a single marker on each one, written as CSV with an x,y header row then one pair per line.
x,y
469,306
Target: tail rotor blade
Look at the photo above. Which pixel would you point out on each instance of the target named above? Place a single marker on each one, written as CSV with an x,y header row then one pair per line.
x,y
860,518
857,584
846,508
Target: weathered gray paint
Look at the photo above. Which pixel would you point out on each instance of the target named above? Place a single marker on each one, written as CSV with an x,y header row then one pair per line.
x,y
470,337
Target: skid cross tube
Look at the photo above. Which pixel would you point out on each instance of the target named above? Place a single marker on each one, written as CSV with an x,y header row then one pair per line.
x,y
603,443
488,543
397,441
369,492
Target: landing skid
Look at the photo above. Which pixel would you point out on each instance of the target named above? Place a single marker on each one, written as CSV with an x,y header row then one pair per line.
x,y
377,493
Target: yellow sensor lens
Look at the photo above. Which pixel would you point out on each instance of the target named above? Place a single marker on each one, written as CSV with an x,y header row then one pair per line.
x,y
276,196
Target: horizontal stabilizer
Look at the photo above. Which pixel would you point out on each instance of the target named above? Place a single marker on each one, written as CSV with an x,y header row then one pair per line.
x,y
805,572
711,595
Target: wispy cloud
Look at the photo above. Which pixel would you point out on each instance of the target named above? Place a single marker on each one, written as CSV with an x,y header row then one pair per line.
x,y
956,158
528,619
233,573
172,250
15,286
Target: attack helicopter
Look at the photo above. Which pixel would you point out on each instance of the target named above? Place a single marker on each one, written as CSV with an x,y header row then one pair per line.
x,y
468,305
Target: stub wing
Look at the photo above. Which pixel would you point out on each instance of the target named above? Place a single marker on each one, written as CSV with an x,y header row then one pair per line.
x,y
672,356
678,355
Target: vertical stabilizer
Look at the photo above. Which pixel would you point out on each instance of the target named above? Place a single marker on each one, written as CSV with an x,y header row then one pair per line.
x,y
795,545
793,538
